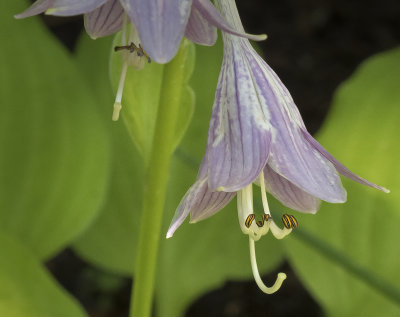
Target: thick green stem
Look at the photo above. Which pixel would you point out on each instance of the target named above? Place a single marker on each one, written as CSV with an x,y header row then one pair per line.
x,y
155,185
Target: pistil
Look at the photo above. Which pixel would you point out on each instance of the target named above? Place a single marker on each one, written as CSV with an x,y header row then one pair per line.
x,y
279,280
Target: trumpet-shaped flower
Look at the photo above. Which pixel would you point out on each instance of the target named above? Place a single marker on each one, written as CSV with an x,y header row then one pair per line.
x,y
155,27
257,135
160,24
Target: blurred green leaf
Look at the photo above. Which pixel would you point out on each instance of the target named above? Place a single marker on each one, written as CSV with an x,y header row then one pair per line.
x,y
356,271
54,159
199,257
27,289
141,96
110,241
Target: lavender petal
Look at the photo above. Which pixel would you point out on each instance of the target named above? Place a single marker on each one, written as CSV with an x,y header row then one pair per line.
x,y
239,135
160,23
201,202
199,30
37,7
211,14
291,155
339,166
289,194
74,7
105,20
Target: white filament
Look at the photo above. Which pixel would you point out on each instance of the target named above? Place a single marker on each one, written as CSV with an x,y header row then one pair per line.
x,y
276,231
118,98
279,280
264,194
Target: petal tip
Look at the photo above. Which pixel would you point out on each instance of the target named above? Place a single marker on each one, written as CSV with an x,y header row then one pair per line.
x,y
193,220
385,190
170,233
260,37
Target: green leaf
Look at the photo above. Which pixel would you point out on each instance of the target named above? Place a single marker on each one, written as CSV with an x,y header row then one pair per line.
x,y
199,257
55,151
111,239
141,96
27,289
348,253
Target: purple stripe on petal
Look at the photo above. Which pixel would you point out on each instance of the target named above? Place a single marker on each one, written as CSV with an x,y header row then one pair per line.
x,y
201,202
160,23
105,20
74,7
289,194
239,135
339,166
199,30
210,13
210,204
36,8
291,155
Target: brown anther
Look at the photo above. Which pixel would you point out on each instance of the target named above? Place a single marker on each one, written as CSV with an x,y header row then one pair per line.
x,y
260,223
289,221
132,48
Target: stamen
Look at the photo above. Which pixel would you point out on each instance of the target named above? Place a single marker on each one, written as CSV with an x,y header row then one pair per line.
x,y
249,220
132,48
278,232
118,98
279,280
264,194
260,223
289,221
266,217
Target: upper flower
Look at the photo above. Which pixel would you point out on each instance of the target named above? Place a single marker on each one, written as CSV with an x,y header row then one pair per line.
x,y
256,134
161,24
153,30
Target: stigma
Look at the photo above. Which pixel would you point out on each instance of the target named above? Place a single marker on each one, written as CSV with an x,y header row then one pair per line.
x,y
256,227
132,55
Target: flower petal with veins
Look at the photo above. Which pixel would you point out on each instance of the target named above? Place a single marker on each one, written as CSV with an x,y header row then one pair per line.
x,y
201,202
199,30
289,194
105,20
73,7
37,7
161,25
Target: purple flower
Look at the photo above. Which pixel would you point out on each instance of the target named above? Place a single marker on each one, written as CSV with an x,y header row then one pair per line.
x,y
160,24
257,135
151,29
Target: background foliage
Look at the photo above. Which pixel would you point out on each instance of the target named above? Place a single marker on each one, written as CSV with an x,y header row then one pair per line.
x,y
71,177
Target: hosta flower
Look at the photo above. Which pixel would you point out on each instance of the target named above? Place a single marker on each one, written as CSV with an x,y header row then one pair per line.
x,y
257,135
155,27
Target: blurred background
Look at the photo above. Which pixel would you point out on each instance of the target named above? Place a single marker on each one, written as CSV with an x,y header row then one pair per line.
x,y
313,45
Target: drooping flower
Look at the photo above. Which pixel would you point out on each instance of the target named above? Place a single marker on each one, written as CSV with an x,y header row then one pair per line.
x,y
155,27
257,135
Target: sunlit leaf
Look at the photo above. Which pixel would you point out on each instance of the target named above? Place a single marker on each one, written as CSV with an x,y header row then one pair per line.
x,y
27,289
54,150
355,272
